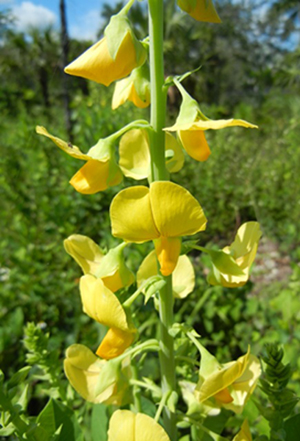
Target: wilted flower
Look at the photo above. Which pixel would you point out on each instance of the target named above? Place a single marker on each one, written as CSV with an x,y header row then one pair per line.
x,y
102,305
134,152
125,425
228,385
83,369
100,171
201,10
163,213
242,251
110,267
183,277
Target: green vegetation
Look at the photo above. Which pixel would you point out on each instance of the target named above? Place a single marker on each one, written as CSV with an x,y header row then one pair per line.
x,y
249,69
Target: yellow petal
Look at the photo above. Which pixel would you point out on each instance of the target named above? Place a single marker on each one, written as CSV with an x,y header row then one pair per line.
x,y
203,10
183,276
126,91
223,396
167,251
244,434
67,147
82,369
101,304
244,386
126,426
221,124
223,378
114,343
245,244
131,215
175,163
175,211
134,154
94,177
84,251
97,65
195,144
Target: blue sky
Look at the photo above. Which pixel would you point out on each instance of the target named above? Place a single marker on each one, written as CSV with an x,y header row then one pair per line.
x,y
83,15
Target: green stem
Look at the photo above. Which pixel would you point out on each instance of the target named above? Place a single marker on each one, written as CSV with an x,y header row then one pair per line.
x,y
159,173
158,95
166,354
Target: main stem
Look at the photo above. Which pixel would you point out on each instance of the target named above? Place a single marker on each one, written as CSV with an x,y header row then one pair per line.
x,y
159,173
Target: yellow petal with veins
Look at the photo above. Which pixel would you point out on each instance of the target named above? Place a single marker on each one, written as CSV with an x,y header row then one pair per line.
x,y
131,215
114,343
201,10
175,211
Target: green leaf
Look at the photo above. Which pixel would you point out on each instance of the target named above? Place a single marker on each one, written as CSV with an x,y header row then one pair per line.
x,y
55,415
7,431
18,377
99,422
292,428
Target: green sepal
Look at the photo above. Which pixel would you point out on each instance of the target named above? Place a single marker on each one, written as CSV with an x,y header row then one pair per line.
x,y
117,29
172,401
189,109
141,79
103,149
153,287
111,373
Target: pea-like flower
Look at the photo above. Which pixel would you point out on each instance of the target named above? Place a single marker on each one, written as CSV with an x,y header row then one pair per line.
x,y
125,425
242,253
162,213
100,171
228,385
191,124
183,277
201,10
102,305
135,88
134,152
83,369
110,267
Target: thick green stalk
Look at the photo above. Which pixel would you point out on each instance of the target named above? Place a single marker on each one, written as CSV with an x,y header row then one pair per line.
x,y
160,173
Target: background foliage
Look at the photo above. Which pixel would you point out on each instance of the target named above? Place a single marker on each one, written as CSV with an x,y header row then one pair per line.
x,y
249,69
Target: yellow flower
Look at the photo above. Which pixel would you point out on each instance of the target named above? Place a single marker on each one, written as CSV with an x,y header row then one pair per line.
x,y
100,171
125,425
110,268
163,213
97,64
101,304
135,88
243,251
191,124
83,369
134,152
228,385
183,276
244,434
201,10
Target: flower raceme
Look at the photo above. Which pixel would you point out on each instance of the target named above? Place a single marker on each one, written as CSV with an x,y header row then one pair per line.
x,y
191,124
125,425
228,385
103,306
162,213
201,10
100,171
242,252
